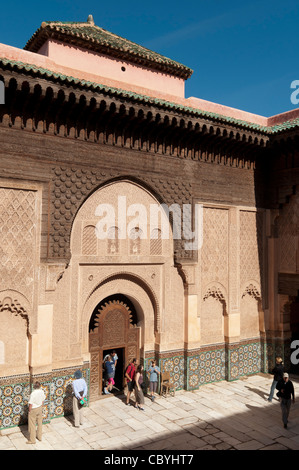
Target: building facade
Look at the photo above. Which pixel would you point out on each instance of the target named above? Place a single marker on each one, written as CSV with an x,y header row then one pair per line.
x,y
94,123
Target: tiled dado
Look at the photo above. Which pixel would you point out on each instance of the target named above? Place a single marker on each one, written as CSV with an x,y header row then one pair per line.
x,y
223,362
15,392
205,366
190,369
277,348
244,359
174,363
14,396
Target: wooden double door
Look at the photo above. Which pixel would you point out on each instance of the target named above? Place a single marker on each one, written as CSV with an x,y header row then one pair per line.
x,y
113,331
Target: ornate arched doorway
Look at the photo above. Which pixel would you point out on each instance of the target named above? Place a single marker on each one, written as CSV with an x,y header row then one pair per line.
x,y
112,327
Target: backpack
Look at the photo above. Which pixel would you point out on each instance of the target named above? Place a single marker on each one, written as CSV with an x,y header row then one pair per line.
x,y
126,371
129,367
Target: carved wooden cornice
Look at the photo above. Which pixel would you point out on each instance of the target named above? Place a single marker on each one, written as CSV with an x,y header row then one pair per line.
x,y
68,108
55,105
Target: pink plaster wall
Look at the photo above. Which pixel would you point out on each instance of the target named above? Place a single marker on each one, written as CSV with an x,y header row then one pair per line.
x,y
283,117
104,66
227,111
40,60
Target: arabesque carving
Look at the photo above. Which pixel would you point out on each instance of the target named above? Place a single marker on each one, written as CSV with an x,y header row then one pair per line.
x,y
72,186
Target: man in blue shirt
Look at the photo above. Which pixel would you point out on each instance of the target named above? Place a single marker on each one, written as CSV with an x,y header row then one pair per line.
x,y
79,397
153,373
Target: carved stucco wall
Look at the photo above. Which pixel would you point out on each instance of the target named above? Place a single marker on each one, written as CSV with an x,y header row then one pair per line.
x,y
288,230
147,276
215,246
212,321
72,186
214,269
231,271
251,272
19,255
249,321
123,198
13,333
18,226
251,246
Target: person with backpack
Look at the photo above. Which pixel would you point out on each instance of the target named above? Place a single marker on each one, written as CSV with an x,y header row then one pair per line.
x,y
277,376
130,375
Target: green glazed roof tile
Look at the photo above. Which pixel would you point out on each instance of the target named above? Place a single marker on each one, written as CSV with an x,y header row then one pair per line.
x,y
290,124
98,39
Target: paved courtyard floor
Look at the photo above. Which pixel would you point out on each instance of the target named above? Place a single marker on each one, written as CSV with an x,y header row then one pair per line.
x,y
219,416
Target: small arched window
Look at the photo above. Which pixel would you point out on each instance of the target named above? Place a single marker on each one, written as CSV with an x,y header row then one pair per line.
x,y
89,241
113,241
135,241
156,242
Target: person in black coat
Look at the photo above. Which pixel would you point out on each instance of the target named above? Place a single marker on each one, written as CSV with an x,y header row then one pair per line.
x,y
285,393
278,375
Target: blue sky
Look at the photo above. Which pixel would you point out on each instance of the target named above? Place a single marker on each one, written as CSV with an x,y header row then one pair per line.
x,y
243,55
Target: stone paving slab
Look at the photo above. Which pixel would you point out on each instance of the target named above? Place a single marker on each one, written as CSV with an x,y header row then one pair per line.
x,y
221,416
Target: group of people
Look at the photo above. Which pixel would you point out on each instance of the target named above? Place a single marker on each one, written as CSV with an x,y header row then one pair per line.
x,y
135,382
37,399
285,387
134,378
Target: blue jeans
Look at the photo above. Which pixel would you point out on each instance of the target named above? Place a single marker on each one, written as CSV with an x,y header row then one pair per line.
x,y
273,387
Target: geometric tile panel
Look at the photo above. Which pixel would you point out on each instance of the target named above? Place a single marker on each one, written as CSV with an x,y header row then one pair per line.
x,y
227,363
206,367
176,366
244,359
274,348
58,390
61,403
14,402
61,396
188,370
